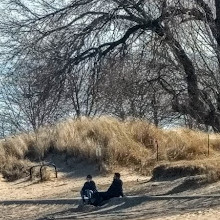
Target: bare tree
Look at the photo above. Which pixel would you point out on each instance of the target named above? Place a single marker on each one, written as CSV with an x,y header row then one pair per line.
x,y
131,88
28,100
82,90
94,29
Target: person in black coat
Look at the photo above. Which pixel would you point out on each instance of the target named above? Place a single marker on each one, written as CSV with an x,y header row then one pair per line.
x,y
88,189
115,190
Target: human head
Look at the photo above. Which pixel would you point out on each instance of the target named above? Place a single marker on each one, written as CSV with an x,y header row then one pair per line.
x,y
117,176
89,177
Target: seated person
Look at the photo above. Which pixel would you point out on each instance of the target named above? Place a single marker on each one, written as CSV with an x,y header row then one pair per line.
x,y
88,189
115,190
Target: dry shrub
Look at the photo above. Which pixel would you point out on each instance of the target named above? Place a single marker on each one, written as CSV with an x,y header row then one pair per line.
x,y
14,147
14,169
214,140
47,174
2,153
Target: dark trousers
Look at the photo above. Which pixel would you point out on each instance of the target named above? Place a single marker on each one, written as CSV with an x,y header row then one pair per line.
x,y
105,195
100,197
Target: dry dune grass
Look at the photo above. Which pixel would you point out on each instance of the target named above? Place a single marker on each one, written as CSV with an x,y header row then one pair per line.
x,y
185,144
125,143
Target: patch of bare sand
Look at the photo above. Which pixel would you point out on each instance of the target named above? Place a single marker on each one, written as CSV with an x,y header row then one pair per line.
x,y
69,183
209,214
115,210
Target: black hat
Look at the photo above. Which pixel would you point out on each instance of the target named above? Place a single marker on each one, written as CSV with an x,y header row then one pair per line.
x,y
117,175
89,177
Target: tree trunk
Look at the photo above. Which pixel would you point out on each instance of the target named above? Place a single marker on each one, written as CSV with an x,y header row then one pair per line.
x,y
203,112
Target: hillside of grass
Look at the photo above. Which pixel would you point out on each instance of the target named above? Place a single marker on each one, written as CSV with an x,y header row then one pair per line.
x,y
130,143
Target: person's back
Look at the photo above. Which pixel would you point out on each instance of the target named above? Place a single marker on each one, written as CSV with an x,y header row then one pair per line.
x,y
115,190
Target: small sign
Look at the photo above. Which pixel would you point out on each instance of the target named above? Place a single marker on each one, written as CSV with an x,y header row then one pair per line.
x,y
98,151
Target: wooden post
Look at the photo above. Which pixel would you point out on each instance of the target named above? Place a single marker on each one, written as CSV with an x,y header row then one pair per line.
x,y
208,145
157,148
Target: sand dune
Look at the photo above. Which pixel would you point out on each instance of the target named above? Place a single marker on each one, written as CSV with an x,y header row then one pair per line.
x,y
69,183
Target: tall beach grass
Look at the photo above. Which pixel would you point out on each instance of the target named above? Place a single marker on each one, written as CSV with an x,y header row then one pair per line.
x,y
130,143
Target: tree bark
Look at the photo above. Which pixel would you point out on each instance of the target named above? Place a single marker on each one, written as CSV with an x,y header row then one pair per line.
x,y
217,21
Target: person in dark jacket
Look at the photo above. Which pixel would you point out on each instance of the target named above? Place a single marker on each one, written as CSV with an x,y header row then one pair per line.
x,y
88,189
115,190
